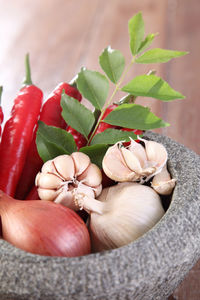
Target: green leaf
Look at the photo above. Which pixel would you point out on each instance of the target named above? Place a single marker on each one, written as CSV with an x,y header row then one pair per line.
x,y
134,116
151,86
112,136
52,141
96,153
147,42
136,32
77,115
158,56
93,86
112,62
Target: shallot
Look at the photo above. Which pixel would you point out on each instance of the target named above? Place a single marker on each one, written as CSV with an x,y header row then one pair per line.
x,y
43,227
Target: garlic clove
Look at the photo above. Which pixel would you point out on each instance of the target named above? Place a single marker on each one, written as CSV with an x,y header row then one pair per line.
x,y
64,165
165,188
114,165
48,181
47,194
131,160
48,167
37,178
81,162
162,182
162,176
139,152
91,176
156,153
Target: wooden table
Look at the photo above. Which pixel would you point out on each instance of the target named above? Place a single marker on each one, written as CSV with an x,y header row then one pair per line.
x,y
64,35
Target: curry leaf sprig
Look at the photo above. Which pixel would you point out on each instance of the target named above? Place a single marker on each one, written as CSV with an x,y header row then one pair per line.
x,y
95,87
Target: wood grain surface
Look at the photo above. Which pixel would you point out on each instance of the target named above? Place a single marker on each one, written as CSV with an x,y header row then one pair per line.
x,y
62,36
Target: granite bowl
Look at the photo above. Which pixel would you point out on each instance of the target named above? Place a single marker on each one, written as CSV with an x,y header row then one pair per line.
x,y
148,269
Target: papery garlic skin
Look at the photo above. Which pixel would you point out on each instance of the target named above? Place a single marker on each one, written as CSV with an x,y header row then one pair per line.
x,y
65,176
134,163
121,214
162,182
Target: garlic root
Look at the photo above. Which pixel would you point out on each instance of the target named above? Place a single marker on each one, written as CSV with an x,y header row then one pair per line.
x,y
89,204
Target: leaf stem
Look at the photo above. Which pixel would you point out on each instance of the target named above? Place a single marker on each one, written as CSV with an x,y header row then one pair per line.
x,y
102,112
117,87
127,70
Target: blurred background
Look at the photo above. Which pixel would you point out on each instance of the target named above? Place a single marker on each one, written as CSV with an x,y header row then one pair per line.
x,y
62,36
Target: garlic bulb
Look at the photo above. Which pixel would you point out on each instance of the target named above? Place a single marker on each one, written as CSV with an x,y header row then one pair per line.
x,y
121,214
162,182
134,163
66,175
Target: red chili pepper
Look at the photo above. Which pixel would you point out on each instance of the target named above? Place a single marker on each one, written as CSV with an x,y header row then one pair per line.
x,y
79,139
17,133
1,112
50,115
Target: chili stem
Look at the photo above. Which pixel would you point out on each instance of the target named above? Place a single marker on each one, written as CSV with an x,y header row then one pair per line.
x,y
27,80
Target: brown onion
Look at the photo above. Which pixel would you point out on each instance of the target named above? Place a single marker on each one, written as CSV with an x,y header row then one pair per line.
x,y
43,227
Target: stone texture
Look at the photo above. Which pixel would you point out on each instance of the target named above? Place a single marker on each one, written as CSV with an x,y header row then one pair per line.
x,y
147,269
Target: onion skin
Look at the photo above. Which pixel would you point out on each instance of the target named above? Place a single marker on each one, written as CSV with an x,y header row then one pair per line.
x,y
43,227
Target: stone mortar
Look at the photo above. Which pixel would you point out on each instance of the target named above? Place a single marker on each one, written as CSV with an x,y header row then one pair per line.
x,y
148,269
